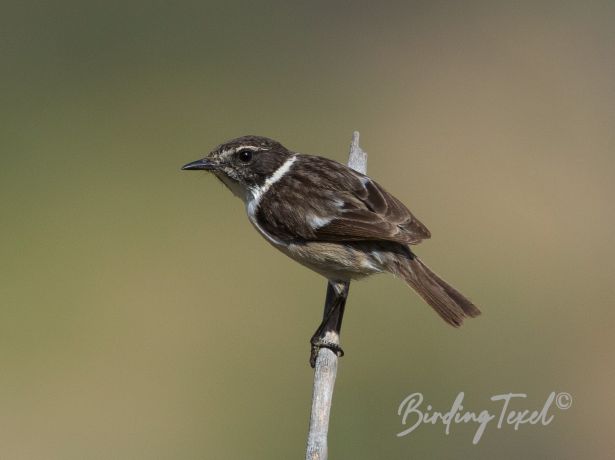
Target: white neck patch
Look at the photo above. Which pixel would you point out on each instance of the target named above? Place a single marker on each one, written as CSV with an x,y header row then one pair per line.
x,y
255,195
257,192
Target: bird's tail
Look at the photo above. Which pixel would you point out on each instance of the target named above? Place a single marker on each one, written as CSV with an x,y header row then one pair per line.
x,y
447,301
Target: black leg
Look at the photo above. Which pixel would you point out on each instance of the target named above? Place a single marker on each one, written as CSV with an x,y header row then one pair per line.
x,y
328,333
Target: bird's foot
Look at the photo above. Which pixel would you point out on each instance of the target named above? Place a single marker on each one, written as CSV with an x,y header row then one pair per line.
x,y
320,342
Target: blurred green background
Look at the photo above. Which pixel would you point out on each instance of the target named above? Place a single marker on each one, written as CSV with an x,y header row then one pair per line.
x,y
141,317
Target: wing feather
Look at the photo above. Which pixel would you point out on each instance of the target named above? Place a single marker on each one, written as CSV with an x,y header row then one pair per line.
x,y
331,202
376,215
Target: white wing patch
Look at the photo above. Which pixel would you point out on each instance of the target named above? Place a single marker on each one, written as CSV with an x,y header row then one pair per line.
x,y
317,222
339,204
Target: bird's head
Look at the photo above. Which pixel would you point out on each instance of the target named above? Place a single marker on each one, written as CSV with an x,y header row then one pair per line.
x,y
243,164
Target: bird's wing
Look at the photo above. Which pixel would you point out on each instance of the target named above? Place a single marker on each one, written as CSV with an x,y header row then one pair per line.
x,y
322,200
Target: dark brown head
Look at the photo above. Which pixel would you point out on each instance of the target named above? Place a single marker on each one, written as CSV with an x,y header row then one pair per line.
x,y
243,163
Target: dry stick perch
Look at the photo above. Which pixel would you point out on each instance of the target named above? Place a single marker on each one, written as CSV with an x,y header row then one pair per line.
x,y
325,369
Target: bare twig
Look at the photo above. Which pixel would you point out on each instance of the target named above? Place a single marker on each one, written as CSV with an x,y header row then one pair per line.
x,y
325,370
357,159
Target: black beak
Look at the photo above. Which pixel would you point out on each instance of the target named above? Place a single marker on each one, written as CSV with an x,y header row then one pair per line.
x,y
206,164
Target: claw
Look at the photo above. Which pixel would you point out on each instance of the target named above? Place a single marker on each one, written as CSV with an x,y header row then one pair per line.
x,y
319,343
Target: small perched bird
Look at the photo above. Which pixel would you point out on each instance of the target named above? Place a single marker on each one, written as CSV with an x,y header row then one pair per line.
x,y
330,218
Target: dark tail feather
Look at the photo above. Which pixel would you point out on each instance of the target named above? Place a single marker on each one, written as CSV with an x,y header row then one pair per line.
x,y
447,301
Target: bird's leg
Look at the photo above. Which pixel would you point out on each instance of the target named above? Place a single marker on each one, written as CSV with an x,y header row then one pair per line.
x,y
328,333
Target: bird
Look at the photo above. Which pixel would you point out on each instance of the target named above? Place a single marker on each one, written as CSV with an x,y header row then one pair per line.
x,y
333,220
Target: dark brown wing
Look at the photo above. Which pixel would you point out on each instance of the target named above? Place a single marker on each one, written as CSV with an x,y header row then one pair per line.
x,y
320,199
373,213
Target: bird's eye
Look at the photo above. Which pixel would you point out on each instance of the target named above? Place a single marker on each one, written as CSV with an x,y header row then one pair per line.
x,y
245,156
